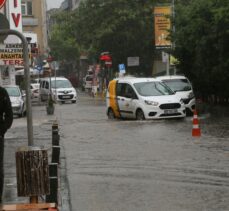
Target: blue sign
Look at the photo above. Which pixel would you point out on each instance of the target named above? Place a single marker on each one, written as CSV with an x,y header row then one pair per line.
x,y
122,68
39,68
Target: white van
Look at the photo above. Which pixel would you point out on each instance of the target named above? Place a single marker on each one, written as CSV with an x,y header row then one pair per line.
x,y
60,88
183,88
88,79
142,98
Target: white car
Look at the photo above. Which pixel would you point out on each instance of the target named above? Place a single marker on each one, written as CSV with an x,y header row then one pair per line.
x,y
183,88
34,87
87,82
17,100
60,88
142,98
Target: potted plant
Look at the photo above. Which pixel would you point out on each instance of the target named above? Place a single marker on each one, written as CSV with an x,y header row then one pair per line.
x,y
50,105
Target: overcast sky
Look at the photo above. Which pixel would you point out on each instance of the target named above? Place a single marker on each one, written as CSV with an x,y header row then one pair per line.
x,y
53,3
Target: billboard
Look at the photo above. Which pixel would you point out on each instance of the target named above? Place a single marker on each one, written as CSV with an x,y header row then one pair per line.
x,y
162,25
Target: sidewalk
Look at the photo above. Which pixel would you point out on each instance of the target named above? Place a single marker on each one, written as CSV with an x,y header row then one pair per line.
x,y
17,137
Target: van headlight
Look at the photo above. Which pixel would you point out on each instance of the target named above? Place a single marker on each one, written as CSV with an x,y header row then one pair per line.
x,y
181,101
153,103
191,95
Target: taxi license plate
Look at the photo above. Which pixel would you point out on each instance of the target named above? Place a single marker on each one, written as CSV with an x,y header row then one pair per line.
x,y
170,111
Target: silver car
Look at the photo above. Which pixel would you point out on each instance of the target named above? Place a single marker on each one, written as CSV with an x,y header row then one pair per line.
x,y
17,100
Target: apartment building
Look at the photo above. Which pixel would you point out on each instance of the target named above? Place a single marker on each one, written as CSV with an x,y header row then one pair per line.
x,y
34,23
70,4
29,18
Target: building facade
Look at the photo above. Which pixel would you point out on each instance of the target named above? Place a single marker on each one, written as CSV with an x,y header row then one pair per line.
x,y
70,4
29,18
34,23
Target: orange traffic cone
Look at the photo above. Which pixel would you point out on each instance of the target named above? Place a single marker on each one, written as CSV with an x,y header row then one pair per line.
x,y
195,125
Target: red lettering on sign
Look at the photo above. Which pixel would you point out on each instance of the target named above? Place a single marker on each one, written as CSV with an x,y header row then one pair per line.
x,y
13,62
5,61
2,2
16,18
15,3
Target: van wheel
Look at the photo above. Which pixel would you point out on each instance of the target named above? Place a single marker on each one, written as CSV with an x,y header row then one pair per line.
x,y
73,101
140,115
111,114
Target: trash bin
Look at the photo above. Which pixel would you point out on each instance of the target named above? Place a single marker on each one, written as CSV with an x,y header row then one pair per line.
x,y
32,171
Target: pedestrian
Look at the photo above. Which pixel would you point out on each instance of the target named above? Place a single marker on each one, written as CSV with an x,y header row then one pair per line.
x,y
6,119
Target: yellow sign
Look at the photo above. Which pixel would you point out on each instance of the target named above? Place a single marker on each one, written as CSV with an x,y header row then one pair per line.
x,y
162,26
11,56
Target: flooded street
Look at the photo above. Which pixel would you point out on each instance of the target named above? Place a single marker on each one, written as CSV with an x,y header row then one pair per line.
x,y
143,165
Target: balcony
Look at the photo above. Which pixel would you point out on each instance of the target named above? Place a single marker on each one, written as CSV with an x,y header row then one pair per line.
x,y
29,21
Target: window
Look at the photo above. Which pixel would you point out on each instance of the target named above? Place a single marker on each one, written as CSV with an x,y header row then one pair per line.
x,y
61,84
13,91
120,89
46,85
125,90
26,8
178,84
129,92
152,89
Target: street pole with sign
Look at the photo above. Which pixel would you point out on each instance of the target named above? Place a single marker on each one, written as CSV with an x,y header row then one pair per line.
x,y
55,66
5,32
107,59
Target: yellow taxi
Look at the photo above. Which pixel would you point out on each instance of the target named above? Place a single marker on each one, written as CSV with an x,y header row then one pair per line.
x,y
142,98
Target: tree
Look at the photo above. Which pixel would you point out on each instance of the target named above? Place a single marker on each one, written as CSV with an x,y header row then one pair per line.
x,y
202,44
63,44
124,28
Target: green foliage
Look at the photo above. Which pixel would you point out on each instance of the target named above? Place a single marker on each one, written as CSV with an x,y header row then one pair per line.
x,y
50,102
202,44
124,28
63,43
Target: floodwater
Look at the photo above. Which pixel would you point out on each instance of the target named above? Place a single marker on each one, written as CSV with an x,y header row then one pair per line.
x,y
143,166
131,165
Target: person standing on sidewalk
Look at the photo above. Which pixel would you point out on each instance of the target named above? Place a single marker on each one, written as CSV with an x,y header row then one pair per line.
x,y
6,120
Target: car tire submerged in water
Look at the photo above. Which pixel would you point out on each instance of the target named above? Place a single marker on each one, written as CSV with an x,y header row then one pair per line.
x,y
140,115
110,114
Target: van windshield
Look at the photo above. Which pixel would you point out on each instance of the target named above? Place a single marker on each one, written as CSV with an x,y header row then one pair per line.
x,y
61,84
153,88
178,84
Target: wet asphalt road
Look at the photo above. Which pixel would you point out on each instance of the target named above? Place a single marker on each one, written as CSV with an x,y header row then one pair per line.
x,y
132,165
143,166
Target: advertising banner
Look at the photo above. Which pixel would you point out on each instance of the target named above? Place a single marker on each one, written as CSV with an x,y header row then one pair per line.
x,y
12,54
162,26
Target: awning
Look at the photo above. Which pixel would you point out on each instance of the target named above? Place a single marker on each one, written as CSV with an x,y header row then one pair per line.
x,y
32,72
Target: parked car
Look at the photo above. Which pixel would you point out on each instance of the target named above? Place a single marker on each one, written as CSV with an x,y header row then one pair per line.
x,y
60,88
17,100
183,88
87,82
142,98
34,87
